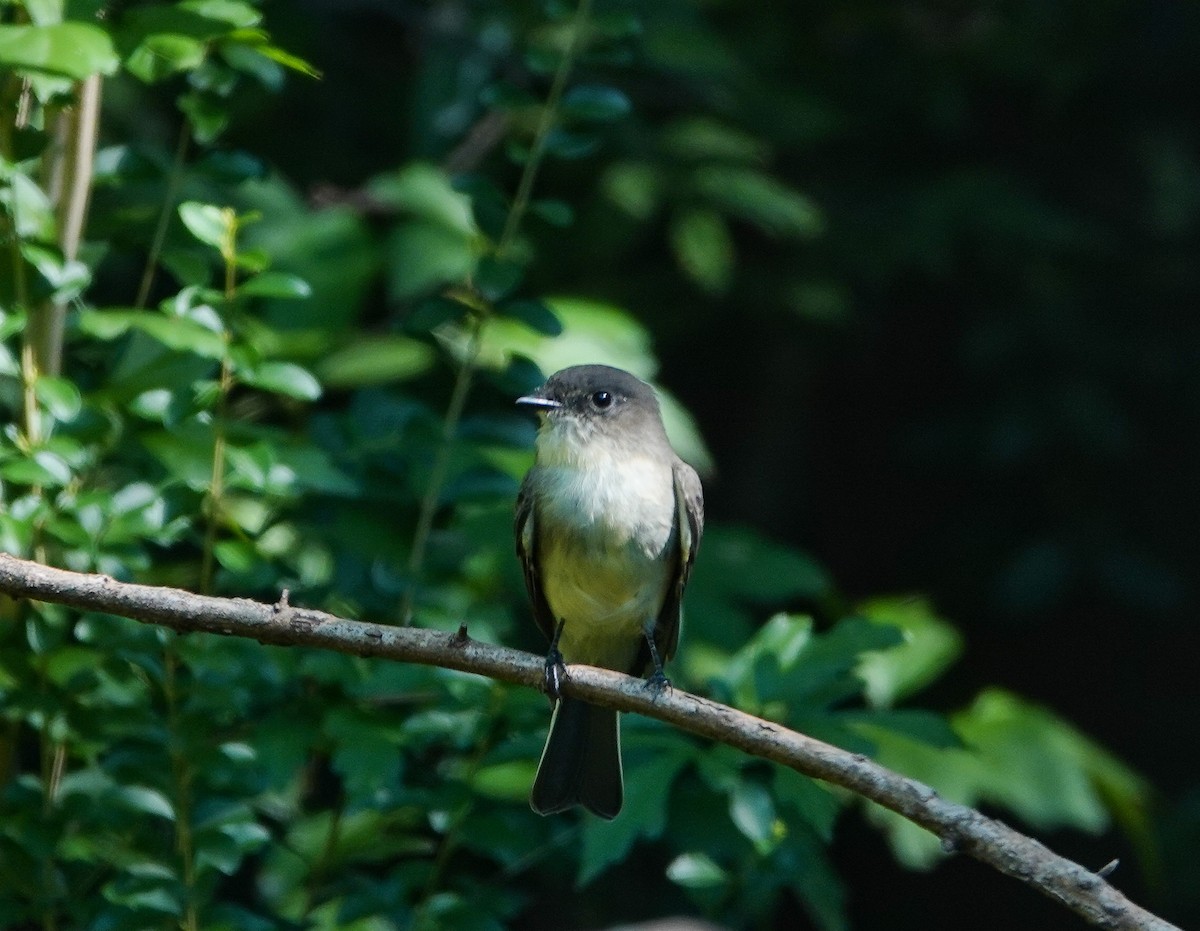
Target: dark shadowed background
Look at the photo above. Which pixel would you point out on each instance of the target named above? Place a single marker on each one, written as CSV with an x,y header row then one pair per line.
x,y
948,347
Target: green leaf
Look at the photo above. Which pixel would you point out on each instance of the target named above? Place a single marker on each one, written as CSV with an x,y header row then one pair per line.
x,y
74,50
930,645
595,102
647,786
635,187
423,256
65,663
158,899
146,800
238,556
66,278
235,13
696,871
703,248
60,397
27,204
43,468
426,192
430,314
160,56
803,859
284,378
44,12
759,199
496,278
208,116
275,284
176,333
569,145
185,453
288,60
212,225
752,810
816,804
555,212
704,139
534,314
367,754
1040,766
509,781
375,361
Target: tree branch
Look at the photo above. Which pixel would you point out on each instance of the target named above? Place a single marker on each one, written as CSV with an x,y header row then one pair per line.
x,y
960,828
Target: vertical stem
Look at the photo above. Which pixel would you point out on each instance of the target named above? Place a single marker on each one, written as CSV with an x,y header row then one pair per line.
x,y
216,488
316,875
537,150
164,216
69,185
437,475
181,774
466,372
180,762
31,418
32,415
51,753
451,838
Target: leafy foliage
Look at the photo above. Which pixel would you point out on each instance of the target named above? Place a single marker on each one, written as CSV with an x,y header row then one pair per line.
x,y
253,398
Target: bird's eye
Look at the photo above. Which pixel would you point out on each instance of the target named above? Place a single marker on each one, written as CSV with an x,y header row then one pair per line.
x,y
602,399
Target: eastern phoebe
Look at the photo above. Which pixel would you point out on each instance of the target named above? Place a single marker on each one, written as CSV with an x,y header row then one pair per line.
x,y
608,522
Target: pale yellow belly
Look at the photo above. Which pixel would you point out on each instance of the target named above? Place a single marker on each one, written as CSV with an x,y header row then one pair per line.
x,y
604,538
606,603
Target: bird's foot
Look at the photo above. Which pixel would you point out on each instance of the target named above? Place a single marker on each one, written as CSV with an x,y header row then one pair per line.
x,y
658,683
555,672
556,669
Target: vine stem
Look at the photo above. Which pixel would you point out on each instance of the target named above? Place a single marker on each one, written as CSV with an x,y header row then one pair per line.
x,y
216,488
466,371
181,773
181,767
68,175
51,752
174,178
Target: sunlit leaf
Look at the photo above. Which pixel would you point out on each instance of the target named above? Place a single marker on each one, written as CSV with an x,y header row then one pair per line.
x,y
179,334
752,810
930,645
647,786
285,378
696,871
275,284
375,361
73,49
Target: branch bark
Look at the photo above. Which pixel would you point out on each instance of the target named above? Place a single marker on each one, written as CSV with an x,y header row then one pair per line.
x,y
960,828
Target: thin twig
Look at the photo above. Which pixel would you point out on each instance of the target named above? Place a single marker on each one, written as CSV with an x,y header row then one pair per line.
x,y
960,828
174,177
466,371
70,169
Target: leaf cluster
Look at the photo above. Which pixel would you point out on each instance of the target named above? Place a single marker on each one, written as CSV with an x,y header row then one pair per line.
x,y
253,399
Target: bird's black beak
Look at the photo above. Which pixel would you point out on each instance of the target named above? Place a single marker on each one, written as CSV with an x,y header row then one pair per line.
x,y
539,402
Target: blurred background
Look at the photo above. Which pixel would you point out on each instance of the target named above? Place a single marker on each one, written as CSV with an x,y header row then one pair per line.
x,y
924,275
966,362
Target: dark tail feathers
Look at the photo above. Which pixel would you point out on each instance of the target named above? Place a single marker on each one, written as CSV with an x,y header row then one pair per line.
x,y
581,764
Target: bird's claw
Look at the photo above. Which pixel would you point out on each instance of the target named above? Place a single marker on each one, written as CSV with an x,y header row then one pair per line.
x,y
555,672
658,683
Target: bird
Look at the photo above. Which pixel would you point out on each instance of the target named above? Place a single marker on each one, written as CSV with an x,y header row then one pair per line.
x,y
608,522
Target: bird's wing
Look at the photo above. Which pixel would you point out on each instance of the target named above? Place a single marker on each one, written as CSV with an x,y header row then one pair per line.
x,y
525,532
689,519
